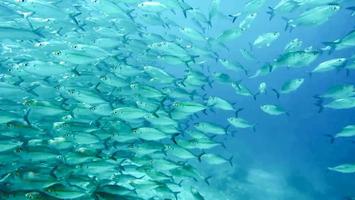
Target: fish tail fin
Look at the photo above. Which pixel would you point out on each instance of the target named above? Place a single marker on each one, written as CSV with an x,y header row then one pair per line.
x,y
209,22
40,32
73,17
26,117
254,128
271,12
255,95
234,17
227,128
96,87
17,83
200,155
184,11
319,104
193,58
204,111
207,179
251,47
179,183
230,160
332,45
289,26
347,72
31,88
173,138
129,13
277,93
212,110
175,193
210,82
238,111
310,74
245,71
164,151
331,137
223,145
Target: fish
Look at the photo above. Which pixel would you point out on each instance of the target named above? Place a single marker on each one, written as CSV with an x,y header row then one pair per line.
x,y
230,34
149,134
348,131
341,103
253,6
8,145
238,122
289,86
248,55
218,102
262,88
283,7
245,24
333,64
242,90
206,127
312,17
266,39
214,159
196,194
339,91
214,10
273,109
105,99
352,8
12,33
344,168
293,45
235,66
66,192
152,6
345,42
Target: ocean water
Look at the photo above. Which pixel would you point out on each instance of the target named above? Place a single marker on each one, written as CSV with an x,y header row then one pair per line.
x,y
53,66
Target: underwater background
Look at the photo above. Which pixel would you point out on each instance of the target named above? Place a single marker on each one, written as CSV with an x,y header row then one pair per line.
x,y
286,157
276,157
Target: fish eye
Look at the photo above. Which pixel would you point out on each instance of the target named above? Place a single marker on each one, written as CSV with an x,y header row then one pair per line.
x,y
93,108
58,53
18,150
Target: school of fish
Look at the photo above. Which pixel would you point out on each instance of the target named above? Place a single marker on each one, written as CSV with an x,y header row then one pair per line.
x,y
105,99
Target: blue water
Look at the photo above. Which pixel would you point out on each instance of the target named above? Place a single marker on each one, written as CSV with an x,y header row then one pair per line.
x,y
287,157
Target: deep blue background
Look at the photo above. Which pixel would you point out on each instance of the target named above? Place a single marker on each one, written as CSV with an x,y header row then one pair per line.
x,y
287,157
